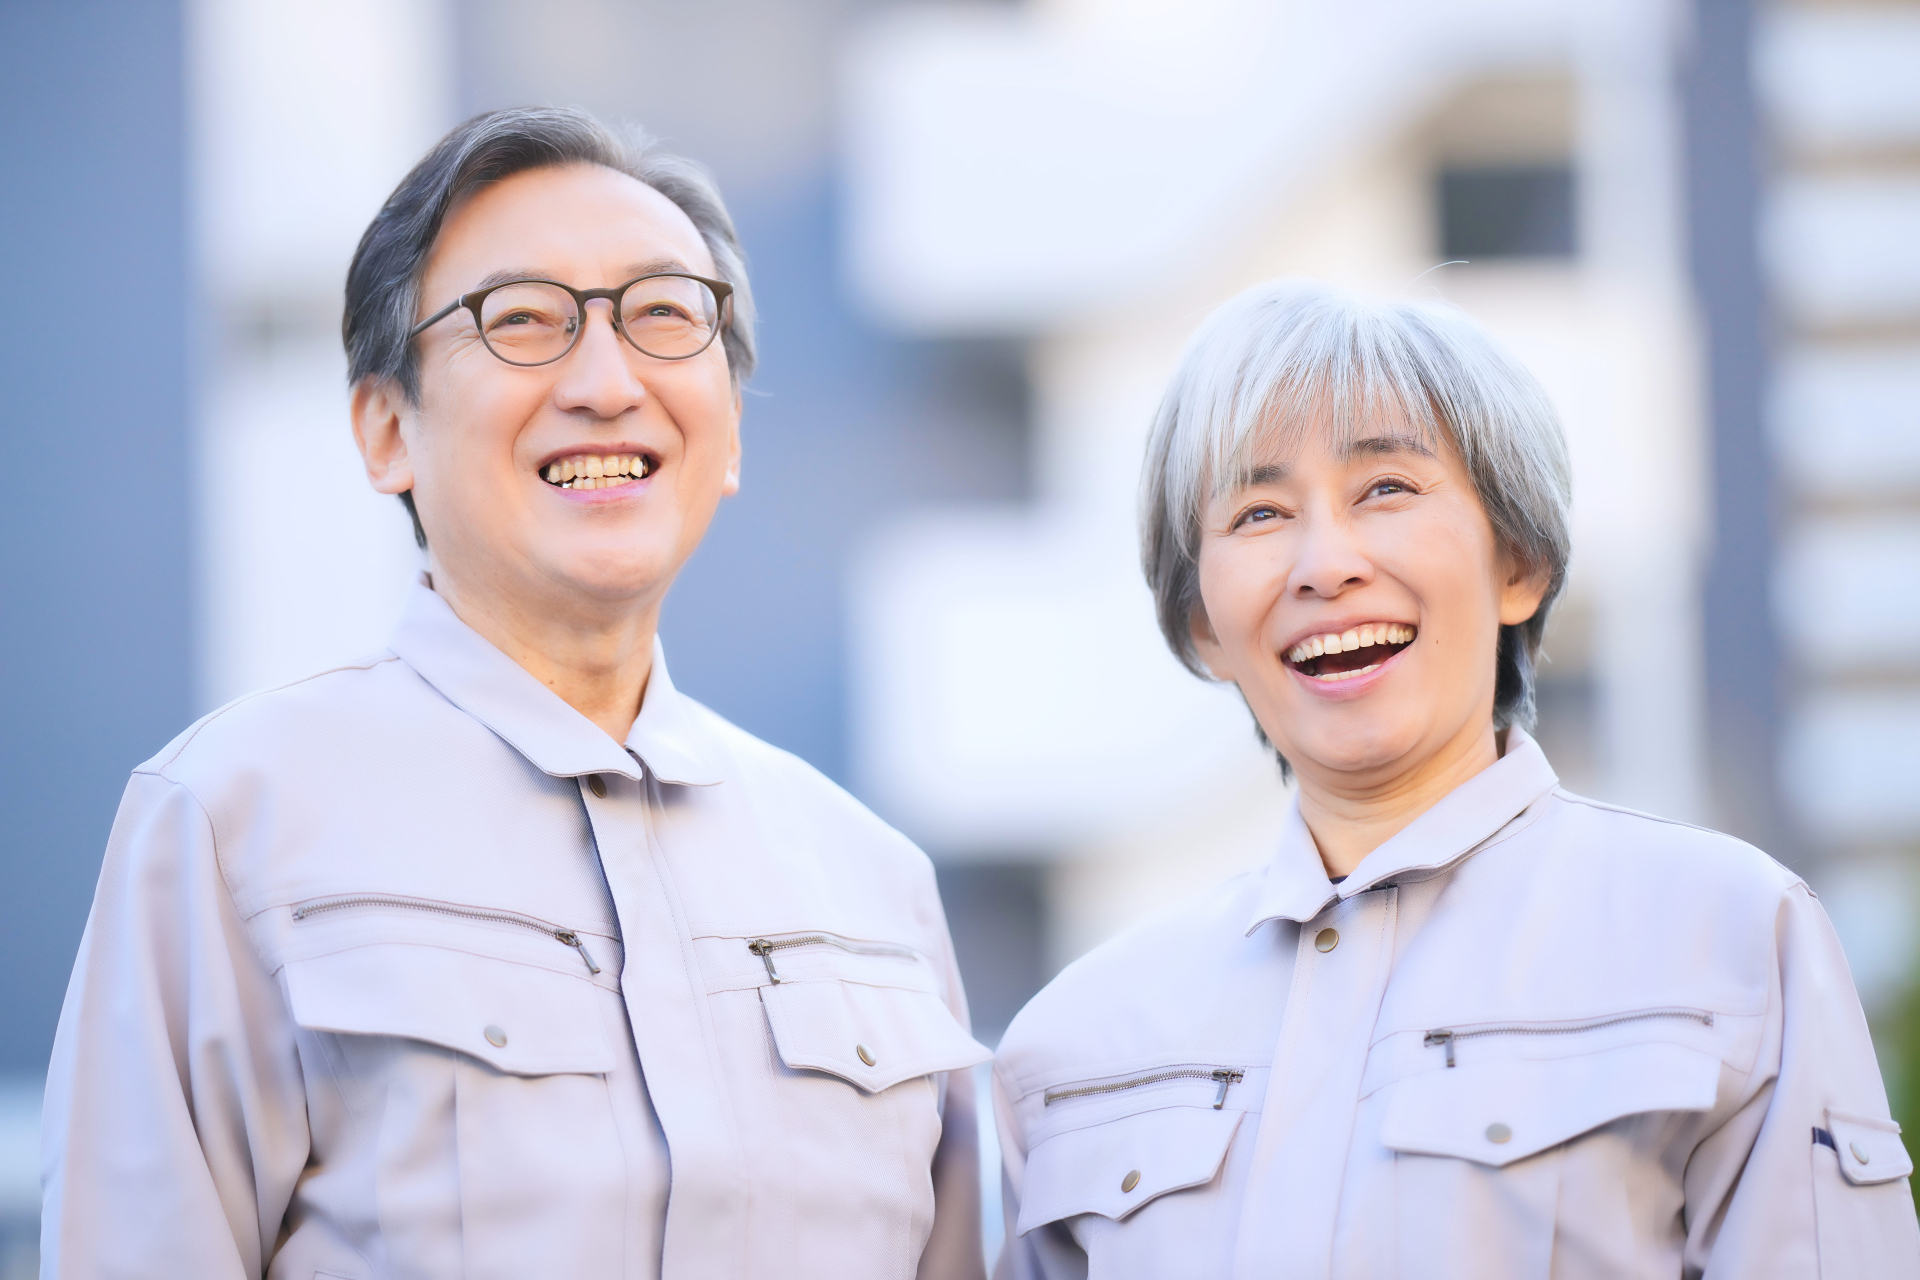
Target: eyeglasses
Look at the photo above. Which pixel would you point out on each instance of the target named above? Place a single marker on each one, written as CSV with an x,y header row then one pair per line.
x,y
668,315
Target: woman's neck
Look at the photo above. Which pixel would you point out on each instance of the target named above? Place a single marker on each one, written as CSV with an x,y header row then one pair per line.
x,y
1350,820
597,662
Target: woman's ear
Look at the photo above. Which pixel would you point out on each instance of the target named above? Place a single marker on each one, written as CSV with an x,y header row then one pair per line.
x,y
1207,645
1524,589
377,408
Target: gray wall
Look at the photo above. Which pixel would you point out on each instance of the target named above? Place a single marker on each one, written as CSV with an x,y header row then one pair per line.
x,y
94,499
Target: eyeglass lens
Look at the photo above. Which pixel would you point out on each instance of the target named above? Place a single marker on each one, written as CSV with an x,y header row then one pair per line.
x,y
532,322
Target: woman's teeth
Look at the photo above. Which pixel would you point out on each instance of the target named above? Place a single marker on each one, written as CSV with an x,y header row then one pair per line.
x,y
588,471
1353,638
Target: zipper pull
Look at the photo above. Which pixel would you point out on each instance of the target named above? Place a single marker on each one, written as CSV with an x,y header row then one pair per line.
x,y
573,940
1224,1079
764,949
1441,1038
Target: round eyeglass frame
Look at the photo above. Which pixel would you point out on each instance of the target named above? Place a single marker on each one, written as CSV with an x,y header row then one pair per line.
x,y
721,290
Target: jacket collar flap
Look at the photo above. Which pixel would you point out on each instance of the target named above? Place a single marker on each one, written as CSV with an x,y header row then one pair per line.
x,y
1297,888
485,683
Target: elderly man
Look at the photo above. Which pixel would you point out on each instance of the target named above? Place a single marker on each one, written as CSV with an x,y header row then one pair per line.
x,y
491,954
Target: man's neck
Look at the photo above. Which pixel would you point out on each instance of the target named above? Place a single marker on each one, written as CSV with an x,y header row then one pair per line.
x,y
598,663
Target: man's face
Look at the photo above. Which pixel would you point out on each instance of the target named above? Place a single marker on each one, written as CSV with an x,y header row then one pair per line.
x,y
660,437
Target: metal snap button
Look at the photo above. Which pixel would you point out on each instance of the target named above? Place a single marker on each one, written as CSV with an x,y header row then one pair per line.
x,y
495,1037
597,786
1326,940
1498,1132
1131,1181
866,1054
1858,1154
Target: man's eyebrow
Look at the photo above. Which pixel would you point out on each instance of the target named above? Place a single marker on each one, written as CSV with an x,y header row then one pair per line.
x,y
1374,446
632,271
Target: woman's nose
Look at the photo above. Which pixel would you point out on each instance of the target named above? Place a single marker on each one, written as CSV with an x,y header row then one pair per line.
x,y
1331,561
598,375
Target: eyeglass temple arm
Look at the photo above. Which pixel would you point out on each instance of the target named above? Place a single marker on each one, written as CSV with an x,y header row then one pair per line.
x,y
435,318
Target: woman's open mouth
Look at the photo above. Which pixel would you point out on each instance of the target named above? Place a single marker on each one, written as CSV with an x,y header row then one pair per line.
x,y
1347,654
598,471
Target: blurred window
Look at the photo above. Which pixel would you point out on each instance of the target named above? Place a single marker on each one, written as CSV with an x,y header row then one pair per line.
x,y
1506,211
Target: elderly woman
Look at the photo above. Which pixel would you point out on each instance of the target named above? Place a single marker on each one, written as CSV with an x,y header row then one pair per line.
x,y
491,954
1464,1024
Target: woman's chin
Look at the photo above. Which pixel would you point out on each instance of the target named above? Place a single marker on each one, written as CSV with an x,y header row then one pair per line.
x,y
1355,751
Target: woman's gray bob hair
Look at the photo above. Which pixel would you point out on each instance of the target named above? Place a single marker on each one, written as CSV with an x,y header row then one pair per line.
x,y
1289,356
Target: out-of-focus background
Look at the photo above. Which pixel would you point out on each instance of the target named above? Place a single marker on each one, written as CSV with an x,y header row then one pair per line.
x,y
980,233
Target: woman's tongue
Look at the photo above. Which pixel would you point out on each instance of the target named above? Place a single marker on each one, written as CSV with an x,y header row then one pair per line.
x,y
1352,659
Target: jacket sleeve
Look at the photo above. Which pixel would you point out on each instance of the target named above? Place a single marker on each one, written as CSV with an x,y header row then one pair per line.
x,y
953,1247
1766,1192
1049,1251
175,1124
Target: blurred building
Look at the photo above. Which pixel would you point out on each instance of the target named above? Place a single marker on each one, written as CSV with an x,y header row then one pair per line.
x,y
1836,433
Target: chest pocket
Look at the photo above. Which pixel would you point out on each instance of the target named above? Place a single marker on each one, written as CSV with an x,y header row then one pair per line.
x,y
1119,1166
512,990
1483,1149
1497,1112
872,1037
517,1018
476,1052
868,1012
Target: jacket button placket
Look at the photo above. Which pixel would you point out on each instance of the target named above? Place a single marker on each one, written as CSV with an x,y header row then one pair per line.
x,y
1341,962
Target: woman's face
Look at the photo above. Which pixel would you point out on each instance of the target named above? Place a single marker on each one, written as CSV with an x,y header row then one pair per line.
x,y
1355,594
477,449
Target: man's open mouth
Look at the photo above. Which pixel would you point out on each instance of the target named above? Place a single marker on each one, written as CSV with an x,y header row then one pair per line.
x,y
598,471
1354,652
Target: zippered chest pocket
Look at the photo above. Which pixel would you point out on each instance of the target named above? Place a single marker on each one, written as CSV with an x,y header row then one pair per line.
x,y
1505,1090
865,1011
513,990
1111,1145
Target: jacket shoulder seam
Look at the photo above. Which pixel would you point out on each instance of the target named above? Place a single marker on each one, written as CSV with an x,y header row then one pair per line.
x,y
159,765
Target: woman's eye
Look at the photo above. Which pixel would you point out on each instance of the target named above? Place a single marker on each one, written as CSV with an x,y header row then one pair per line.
x,y
1259,515
1387,488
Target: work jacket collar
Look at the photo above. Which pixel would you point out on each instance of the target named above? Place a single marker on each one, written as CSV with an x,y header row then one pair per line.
x,y
669,736
1297,887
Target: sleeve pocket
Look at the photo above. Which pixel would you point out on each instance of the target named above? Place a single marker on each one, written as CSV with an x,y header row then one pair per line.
x,y
872,1037
519,1018
1863,1213
1494,1113
1869,1151
1114,1168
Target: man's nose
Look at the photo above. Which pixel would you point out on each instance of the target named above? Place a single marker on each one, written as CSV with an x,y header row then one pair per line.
x,y
598,374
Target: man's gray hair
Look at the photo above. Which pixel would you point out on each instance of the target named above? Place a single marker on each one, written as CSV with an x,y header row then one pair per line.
x,y
1290,356
383,281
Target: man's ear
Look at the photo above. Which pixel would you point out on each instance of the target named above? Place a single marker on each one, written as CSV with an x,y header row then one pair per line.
x,y
1207,646
731,485
377,407
1526,586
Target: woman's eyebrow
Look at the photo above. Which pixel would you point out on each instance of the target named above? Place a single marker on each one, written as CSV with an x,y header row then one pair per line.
x,y
1375,446
1265,473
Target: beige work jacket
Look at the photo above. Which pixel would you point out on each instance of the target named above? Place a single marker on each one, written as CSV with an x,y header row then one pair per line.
x,y
1529,1036
409,970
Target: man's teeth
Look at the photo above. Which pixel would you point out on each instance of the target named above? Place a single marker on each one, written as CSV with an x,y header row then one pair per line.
x,y
1354,638
588,471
